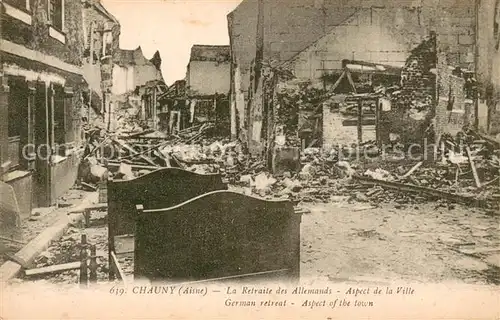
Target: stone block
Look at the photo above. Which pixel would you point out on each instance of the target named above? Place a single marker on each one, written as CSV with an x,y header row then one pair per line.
x,y
465,39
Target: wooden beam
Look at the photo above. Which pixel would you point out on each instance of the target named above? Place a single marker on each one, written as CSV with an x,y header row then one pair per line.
x,y
336,84
96,206
348,74
135,153
402,187
53,269
473,167
134,166
415,167
360,121
116,265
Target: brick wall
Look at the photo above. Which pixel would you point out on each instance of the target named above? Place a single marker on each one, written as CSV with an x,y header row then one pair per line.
x,y
368,35
418,84
412,107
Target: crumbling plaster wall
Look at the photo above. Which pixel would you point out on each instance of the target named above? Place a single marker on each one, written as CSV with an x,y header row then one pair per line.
x,y
378,30
369,35
209,77
36,36
123,79
387,35
126,78
99,73
101,23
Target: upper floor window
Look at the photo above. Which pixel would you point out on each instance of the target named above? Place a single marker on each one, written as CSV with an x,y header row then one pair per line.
x,y
19,4
56,13
107,40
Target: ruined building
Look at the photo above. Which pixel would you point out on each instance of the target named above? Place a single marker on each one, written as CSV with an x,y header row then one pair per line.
x,y
101,39
488,66
42,44
312,38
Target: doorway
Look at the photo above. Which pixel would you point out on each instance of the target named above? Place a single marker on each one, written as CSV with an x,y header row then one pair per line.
x,y
41,178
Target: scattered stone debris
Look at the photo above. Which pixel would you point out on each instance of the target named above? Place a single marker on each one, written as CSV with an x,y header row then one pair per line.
x,y
467,165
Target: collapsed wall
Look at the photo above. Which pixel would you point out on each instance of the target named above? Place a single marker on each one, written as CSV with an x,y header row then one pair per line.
x,y
455,107
412,107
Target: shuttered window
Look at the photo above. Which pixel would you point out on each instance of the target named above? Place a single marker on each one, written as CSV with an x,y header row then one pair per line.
x,y
17,117
59,116
56,13
69,119
19,4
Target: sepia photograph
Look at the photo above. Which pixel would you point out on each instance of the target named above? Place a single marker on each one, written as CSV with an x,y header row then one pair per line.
x,y
262,159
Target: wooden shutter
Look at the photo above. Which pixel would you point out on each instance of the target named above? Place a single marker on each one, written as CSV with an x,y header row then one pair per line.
x,y
59,116
4,95
30,152
69,119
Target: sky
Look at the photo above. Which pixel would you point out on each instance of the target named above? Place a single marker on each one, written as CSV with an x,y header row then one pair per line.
x,y
172,27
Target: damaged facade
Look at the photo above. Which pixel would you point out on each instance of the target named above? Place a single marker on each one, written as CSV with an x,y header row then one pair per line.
x,y
174,108
150,104
41,98
208,81
131,71
309,41
200,98
101,39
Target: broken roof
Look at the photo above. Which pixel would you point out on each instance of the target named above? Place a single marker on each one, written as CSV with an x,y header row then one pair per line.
x,y
125,57
177,89
128,57
220,53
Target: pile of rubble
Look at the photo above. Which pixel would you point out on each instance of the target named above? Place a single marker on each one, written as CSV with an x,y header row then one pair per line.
x,y
469,177
133,151
466,170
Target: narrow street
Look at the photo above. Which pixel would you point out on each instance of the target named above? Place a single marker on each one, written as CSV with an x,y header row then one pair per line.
x,y
419,243
343,241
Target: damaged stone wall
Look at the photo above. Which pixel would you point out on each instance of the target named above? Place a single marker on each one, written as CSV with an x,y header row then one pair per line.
x,y
319,34
98,65
412,107
453,110
340,125
383,41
